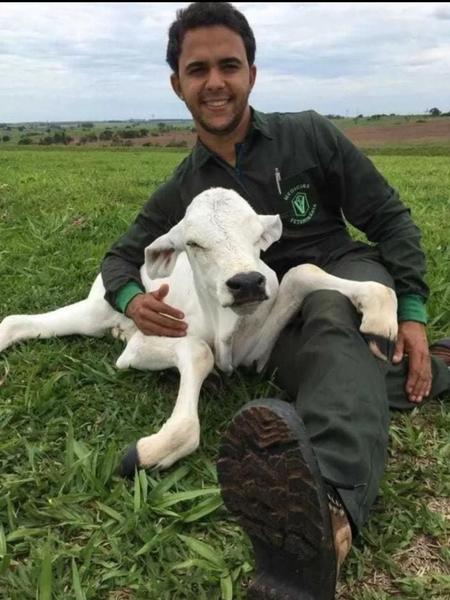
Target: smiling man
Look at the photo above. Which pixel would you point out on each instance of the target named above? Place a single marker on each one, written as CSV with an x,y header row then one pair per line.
x,y
214,79
301,477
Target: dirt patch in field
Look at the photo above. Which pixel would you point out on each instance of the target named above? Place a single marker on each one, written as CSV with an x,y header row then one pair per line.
x,y
436,131
169,139
430,131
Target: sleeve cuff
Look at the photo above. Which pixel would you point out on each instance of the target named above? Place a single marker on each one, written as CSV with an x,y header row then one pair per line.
x,y
126,294
411,307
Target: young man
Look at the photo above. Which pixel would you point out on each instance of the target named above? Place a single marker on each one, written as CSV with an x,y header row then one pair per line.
x,y
301,480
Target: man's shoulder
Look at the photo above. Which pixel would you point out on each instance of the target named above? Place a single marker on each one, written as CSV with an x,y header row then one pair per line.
x,y
305,118
172,185
307,128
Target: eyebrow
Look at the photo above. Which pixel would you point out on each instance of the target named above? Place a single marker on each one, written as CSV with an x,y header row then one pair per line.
x,y
222,62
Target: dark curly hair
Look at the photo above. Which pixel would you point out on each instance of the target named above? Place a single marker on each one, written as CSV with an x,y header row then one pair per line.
x,y
208,14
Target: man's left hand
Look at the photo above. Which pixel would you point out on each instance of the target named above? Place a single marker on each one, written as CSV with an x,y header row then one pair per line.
x,y
412,340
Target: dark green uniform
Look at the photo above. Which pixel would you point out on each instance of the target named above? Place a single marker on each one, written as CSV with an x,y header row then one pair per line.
x,y
301,167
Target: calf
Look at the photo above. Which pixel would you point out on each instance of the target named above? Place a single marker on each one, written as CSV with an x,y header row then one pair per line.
x,y
232,303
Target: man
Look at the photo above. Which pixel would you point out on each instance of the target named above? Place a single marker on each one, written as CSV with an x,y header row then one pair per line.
x,y
301,480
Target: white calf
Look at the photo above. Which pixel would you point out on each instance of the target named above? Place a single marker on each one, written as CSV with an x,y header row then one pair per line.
x,y
232,302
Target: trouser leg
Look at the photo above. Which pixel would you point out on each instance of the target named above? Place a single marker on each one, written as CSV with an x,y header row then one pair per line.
x,y
323,362
341,390
364,266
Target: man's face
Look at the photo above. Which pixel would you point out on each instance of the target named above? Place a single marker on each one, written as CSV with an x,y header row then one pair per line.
x,y
214,78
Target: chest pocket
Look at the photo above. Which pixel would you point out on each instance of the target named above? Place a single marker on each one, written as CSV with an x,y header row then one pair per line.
x,y
300,198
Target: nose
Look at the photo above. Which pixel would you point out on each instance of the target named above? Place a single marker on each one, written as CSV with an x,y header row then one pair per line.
x,y
247,287
215,80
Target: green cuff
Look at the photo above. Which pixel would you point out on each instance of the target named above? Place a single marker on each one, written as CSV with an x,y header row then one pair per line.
x,y
411,307
126,294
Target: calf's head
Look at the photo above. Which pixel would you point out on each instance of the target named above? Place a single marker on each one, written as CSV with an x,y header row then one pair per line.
x,y
223,237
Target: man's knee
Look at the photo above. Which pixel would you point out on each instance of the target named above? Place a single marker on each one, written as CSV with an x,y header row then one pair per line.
x,y
329,308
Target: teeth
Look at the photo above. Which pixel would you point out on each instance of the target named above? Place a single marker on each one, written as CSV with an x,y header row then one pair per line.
x,y
217,103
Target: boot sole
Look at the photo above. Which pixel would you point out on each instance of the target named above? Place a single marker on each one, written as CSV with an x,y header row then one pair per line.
x,y
271,482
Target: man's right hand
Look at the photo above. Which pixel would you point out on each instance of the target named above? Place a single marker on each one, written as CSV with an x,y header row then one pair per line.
x,y
153,317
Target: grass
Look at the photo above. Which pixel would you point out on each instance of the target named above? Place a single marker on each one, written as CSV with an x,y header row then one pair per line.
x,y
70,528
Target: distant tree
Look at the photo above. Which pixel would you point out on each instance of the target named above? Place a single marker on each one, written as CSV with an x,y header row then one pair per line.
x,y
5,138
434,112
164,127
87,125
89,137
106,134
25,141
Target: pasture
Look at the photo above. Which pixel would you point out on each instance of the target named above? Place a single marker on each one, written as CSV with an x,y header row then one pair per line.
x,y
69,527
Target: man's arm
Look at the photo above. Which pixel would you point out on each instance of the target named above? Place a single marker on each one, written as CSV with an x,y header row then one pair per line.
x,y
373,206
121,268
122,263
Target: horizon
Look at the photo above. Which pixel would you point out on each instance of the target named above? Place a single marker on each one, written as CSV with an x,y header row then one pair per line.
x,y
190,120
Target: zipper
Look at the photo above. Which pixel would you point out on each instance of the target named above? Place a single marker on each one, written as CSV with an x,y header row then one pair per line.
x,y
240,148
278,179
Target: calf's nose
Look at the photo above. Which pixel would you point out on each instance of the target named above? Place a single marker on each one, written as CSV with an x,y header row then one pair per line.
x,y
247,287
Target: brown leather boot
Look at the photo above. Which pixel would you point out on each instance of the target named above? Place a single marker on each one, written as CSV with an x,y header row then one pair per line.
x,y
441,348
271,481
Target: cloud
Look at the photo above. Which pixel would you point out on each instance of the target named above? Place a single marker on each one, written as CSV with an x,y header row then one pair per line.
x,y
107,60
442,12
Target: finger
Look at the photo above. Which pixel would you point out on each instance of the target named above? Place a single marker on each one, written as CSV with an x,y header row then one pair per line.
x,y
413,374
399,350
165,321
419,377
161,292
163,308
422,388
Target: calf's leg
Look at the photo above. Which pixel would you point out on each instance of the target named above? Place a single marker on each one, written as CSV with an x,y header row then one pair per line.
x,y
376,302
180,435
88,317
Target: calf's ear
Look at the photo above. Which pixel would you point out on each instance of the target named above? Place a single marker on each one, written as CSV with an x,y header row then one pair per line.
x,y
161,255
272,228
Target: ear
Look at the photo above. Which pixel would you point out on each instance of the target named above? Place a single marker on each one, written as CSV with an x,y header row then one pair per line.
x,y
252,76
161,255
175,82
272,229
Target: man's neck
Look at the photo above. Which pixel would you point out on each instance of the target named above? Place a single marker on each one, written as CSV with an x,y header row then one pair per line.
x,y
225,145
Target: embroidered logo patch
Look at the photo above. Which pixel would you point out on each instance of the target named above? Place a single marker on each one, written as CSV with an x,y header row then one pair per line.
x,y
302,207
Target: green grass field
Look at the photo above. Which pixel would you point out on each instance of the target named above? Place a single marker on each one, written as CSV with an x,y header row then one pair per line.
x,y
70,528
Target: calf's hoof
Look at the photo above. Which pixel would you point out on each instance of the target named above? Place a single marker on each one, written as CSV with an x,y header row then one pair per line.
x,y
381,347
130,462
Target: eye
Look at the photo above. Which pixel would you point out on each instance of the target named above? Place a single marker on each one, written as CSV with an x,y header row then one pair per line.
x,y
230,67
192,244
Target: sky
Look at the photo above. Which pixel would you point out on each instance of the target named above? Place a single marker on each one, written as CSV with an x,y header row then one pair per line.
x,y
67,61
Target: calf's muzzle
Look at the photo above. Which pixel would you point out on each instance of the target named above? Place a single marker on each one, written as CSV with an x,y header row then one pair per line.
x,y
247,287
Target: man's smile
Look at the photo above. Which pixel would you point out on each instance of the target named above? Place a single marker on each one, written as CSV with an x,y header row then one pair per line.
x,y
216,103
